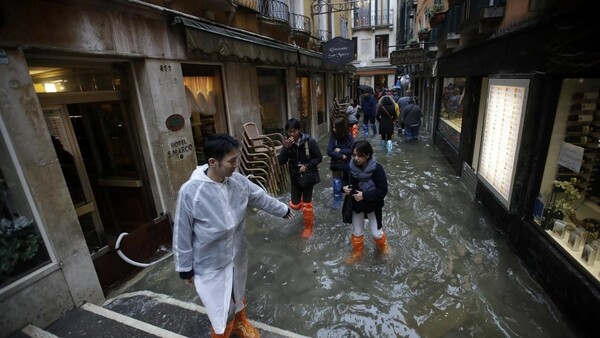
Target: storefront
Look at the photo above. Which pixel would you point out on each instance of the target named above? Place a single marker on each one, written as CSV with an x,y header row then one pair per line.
x,y
101,124
525,129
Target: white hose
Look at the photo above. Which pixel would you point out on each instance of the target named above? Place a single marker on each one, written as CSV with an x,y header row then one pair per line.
x,y
130,261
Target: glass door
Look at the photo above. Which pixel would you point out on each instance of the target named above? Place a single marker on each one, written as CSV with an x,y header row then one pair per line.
x,y
75,174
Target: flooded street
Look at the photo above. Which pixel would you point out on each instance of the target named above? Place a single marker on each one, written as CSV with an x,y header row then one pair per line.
x,y
450,273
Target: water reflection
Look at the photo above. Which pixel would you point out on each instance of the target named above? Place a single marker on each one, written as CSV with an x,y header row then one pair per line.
x,y
450,272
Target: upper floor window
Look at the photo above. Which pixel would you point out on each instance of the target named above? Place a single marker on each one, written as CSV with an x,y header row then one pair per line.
x,y
381,46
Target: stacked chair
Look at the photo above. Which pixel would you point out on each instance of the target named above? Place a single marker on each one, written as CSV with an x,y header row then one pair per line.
x,y
259,159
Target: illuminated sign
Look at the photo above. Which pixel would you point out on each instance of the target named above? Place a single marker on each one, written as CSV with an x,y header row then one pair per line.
x,y
503,121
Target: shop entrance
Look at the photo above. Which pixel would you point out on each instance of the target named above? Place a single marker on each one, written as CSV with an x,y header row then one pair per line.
x,y
98,156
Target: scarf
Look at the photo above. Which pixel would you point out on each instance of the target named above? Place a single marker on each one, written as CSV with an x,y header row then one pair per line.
x,y
365,183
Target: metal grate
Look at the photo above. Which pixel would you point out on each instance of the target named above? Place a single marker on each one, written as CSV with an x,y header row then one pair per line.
x,y
469,179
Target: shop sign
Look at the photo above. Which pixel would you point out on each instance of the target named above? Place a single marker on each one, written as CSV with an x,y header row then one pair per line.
x,y
179,149
571,156
407,56
175,122
338,51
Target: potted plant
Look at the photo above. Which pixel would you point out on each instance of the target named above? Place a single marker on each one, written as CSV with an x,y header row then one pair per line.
x,y
423,34
19,242
437,13
558,209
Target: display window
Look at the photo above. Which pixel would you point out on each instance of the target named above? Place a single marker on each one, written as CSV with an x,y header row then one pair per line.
x,y
451,111
22,249
304,100
321,98
204,96
272,91
568,206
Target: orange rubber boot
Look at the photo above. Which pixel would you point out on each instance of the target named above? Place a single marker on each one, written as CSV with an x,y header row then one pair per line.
x,y
358,246
226,334
382,245
242,327
309,219
355,130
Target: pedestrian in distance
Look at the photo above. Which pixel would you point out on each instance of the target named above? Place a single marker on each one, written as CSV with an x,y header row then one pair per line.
x,y
209,244
301,152
339,150
386,115
368,107
352,111
403,102
367,184
411,119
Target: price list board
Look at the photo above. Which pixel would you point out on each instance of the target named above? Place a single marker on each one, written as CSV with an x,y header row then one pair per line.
x,y
503,121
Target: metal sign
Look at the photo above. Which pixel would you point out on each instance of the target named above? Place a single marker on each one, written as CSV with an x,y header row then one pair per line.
x,y
407,56
338,51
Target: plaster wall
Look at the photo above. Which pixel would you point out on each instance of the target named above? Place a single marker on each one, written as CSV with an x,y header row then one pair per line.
x,y
20,111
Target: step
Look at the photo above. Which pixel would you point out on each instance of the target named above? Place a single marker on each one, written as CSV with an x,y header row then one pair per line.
x,y
187,319
94,321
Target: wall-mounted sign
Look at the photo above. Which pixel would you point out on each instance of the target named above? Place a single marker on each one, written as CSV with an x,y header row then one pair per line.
x,y
407,56
338,51
179,149
175,122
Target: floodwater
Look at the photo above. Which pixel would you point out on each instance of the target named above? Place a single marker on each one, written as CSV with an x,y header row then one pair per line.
x,y
451,272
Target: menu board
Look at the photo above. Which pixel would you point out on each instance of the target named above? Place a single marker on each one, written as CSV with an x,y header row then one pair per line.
x,y
505,109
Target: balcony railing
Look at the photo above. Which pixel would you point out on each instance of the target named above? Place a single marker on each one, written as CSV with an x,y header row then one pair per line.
x,y
382,18
324,35
274,10
252,4
300,22
453,19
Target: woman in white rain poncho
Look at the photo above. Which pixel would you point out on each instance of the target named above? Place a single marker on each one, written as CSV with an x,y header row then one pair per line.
x,y
209,243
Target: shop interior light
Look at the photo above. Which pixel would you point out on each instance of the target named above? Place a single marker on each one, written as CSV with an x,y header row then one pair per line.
x,y
503,121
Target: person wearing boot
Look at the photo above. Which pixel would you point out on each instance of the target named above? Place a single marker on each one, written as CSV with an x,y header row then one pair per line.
x,y
339,149
209,244
386,115
369,106
368,187
301,153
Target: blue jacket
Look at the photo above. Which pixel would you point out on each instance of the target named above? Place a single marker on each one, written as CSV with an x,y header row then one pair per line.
x,y
368,106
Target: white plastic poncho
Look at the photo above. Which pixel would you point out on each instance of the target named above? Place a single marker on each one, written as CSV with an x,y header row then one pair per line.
x,y
209,236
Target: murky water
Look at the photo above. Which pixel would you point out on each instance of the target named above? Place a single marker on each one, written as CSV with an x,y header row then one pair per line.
x,y
450,274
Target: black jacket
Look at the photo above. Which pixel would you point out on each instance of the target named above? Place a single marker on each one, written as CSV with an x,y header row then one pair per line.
x,y
296,154
372,199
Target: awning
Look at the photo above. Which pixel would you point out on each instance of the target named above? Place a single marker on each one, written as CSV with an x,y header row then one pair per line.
x,y
226,41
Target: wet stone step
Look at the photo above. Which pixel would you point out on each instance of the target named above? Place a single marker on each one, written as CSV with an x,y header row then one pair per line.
x,y
186,319
82,322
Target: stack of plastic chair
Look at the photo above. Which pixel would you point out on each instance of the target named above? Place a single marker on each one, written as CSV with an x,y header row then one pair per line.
x,y
260,151
258,171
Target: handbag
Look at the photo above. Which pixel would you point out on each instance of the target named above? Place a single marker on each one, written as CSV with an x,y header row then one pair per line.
x,y
347,209
337,165
308,178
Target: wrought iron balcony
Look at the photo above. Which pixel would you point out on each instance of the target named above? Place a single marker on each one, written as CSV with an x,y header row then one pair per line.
x,y
300,23
324,35
274,10
382,18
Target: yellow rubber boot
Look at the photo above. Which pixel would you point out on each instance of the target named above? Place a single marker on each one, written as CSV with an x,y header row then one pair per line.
x,y
242,327
382,245
358,247
309,219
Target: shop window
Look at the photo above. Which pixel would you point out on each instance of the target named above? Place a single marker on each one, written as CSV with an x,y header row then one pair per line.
x,y
76,79
22,249
204,96
451,109
381,46
304,100
568,206
272,98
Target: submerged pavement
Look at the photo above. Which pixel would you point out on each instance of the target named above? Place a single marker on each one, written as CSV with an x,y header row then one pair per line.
x,y
451,271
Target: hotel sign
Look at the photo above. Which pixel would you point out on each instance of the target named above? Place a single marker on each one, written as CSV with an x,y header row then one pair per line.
x,y
407,56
